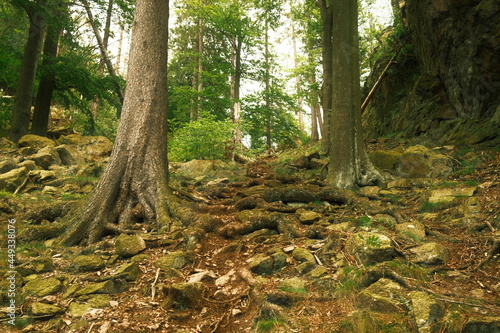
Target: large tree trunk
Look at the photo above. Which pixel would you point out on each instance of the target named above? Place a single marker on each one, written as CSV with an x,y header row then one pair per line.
x,y
41,113
137,173
21,114
349,164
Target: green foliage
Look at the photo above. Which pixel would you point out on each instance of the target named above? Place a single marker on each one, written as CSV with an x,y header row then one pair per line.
x,y
364,221
372,241
201,139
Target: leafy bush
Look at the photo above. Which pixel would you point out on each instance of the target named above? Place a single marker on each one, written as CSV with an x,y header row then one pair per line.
x,y
201,139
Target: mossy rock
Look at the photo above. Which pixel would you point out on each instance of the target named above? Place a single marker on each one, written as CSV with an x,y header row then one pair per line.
x,y
382,296
268,265
11,180
303,255
188,294
429,254
129,245
88,263
294,285
387,160
35,141
129,271
426,309
44,310
370,247
42,287
173,260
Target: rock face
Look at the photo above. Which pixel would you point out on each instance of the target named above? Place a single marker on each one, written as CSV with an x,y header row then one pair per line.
x,y
445,83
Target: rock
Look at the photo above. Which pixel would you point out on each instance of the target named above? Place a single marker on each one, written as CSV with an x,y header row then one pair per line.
x,y
382,296
200,168
97,301
6,166
45,157
91,148
308,217
451,193
88,263
49,190
293,285
422,162
318,272
130,271
188,294
371,192
78,310
42,287
303,255
176,260
106,287
35,141
246,203
361,322
11,180
387,160
44,310
428,254
426,310
370,247
93,170
482,325
267,265
414,231
36,266
69,155
129,245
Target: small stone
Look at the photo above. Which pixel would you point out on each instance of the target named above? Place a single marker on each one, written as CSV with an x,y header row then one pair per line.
x,y
129,245
370,247
172,260
382,296
77,310
294,285
88,263
267,265
309,217
188,294
303,255
106,287
130,271
42,287
45,310
414,231
429,254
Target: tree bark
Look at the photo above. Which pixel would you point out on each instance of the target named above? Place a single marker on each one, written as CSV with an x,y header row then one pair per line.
x,y
349,164
41,113
21,115
137,173
235,91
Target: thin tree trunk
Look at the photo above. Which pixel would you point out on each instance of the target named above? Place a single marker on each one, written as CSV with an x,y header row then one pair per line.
x,y
269,140
298,82
41,113
136,175
200,66
119,51
21,114
104,53
235,92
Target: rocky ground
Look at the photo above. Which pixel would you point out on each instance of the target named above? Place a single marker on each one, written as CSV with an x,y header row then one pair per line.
x,y
261,247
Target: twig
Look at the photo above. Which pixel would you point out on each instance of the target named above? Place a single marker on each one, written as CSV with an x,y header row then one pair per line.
x,y
494,248
466,303
153,290
317,259
91,327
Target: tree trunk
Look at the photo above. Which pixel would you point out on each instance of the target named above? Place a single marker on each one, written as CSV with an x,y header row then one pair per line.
x,y
269,139
349,164
41,113
137,173
298,81
21,114
235,91
327,13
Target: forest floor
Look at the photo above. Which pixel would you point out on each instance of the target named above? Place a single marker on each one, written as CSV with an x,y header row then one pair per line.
x,y
321,298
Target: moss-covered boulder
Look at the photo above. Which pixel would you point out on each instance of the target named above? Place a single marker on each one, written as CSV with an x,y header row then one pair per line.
x,y
35,141
268,264
175,260
308,217
387,160
129,271
294,285
370,247
427,311
303,255
36,266
129,245
88,263
187,294
384,296
429,254
45,310
106,287
45,158
413,231
11,180
482,325
42,287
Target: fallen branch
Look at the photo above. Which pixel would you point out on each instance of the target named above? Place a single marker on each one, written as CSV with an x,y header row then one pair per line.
x,y
153,285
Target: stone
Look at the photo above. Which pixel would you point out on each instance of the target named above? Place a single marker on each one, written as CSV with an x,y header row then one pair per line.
x,y
91,148
42,176
90,170
451,193
414,162
88,263
36,266
387,160
78,310
370,247
6,166
188,294
318,272
42,287
413,231
45,157
426,309
201,168
175,260
129,245
267,265
130,271
384,296
303,255
69,155
38,309
106,287
428,254
35,141
308,217
11,180
482,325
293,285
